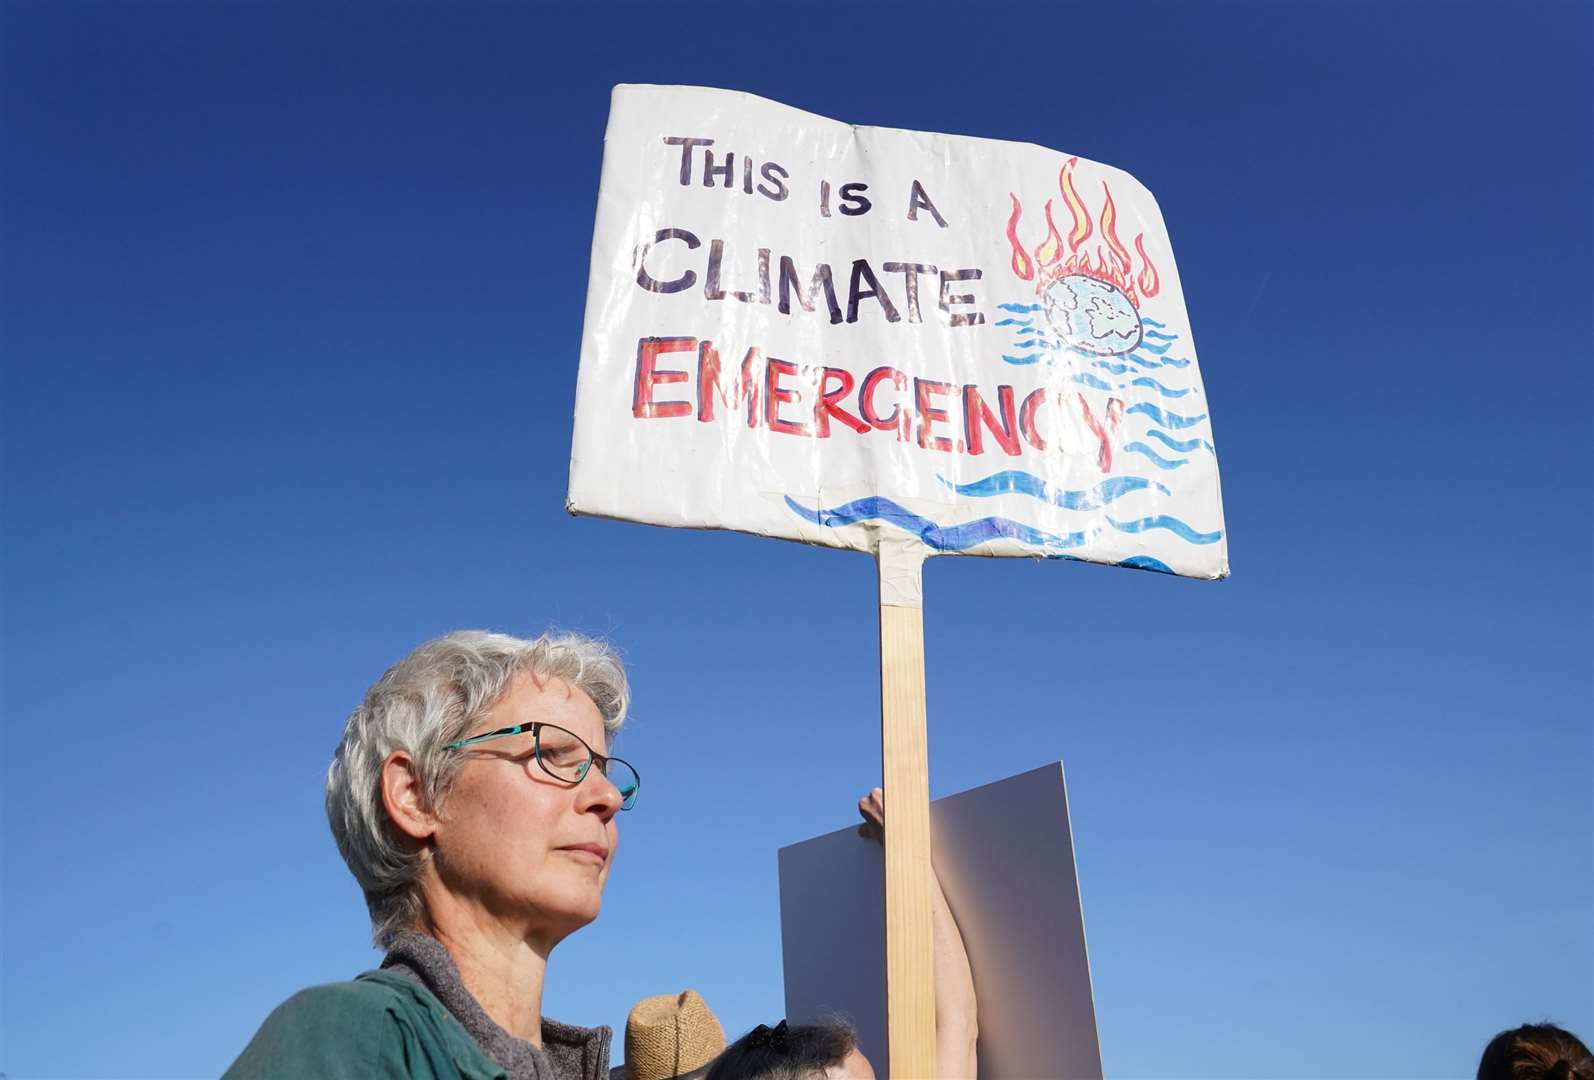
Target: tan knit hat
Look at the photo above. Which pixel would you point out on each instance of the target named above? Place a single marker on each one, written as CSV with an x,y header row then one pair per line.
x,y
671,1035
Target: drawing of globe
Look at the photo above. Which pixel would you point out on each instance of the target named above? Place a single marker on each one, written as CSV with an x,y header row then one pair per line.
x,y
1092,316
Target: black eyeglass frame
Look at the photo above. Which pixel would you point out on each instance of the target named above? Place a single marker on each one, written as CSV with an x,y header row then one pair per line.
x,y
627,799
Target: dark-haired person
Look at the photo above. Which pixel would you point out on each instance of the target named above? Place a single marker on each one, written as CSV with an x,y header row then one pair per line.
x,y
827,1050
1536,1052
474,799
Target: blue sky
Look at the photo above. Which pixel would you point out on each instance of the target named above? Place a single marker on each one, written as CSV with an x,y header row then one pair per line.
x,y
292,302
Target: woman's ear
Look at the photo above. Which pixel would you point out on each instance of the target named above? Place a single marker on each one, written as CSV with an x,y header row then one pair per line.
x,y
403,798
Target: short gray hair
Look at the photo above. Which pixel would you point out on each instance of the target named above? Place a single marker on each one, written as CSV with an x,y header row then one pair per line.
x,y
421,704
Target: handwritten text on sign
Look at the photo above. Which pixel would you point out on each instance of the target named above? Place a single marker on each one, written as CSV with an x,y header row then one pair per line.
x,y
808,330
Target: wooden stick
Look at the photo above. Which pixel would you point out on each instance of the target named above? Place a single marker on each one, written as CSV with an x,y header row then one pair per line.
x,y
910,968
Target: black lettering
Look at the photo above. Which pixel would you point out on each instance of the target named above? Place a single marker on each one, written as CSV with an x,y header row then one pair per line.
x,y
910,282
727,171
763,276
917,199
948,298
790,283
824,198
680,284
711,282
852,202
778,192
861,271
686,154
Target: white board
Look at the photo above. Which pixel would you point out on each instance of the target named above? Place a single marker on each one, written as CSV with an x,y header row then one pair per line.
x,y
1005,855
805,329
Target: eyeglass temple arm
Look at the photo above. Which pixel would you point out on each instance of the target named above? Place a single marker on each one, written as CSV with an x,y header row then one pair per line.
x,y
501,733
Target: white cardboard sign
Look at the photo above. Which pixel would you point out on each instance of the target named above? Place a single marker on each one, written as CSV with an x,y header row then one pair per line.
x,y
833,334
1005,855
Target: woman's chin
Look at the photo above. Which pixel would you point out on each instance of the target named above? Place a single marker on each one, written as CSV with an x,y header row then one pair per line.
x,y
567,914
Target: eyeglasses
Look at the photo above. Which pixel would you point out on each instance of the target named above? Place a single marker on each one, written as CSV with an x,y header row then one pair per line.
x,y
566,757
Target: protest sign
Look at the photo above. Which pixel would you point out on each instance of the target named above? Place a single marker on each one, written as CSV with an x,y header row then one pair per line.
x,y
896,342
1005,855
828,333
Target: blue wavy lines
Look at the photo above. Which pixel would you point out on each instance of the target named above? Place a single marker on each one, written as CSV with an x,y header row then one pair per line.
x,y
1156,459
1167,361
1029,359
1159,337
1086,379
1116,369
1165,391
1174,444
941,537
1021,308
1014,322
1172,524
1027,330
1169,420
1146,562
1154,322
1158,349
1023,483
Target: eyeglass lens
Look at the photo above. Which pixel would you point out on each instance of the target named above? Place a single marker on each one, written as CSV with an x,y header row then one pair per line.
x,y
568,758
625,780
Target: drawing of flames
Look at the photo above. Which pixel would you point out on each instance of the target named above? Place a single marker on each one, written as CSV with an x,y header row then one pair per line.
x,y
1128,379
1092,304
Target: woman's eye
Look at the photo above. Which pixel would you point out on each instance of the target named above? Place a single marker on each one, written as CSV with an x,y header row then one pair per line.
x,y
563,753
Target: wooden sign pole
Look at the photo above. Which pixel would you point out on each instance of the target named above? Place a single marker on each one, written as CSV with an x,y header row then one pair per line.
x,y
910,970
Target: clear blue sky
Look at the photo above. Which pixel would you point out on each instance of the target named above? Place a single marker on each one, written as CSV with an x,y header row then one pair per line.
x,y
292,301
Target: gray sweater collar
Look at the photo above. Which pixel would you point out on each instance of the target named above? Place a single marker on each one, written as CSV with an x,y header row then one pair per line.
x,y
568,1052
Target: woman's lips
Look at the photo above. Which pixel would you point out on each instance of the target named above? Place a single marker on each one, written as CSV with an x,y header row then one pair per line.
x,y
594,853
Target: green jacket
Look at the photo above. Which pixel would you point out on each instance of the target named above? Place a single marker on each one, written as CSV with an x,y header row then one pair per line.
x,y
380,1025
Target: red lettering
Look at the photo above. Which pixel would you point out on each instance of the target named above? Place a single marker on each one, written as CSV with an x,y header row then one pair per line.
x,y
745,387
977,416
1115,411
1026,418
826,405
929,414
775,396
649,375
866,402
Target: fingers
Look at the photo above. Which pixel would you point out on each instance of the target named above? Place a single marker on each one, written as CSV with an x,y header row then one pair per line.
x,y
873,807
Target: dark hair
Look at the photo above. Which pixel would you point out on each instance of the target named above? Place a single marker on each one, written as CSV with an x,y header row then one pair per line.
x,y
1536,1052
786,1053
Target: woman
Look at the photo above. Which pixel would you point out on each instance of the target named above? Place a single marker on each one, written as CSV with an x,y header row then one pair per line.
x,y
473,798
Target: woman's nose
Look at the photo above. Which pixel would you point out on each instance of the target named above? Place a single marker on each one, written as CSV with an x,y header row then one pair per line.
x,y
597,793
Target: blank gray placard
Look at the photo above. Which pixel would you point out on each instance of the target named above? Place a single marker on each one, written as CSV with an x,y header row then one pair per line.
x,y
1005,854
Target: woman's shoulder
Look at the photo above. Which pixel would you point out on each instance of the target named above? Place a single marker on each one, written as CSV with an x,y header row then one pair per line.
x,y
357,1005
377,1025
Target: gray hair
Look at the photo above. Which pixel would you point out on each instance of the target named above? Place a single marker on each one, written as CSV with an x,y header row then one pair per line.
x,y
421,704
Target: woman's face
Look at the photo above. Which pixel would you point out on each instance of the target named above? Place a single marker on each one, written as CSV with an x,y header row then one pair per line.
x,y
513,842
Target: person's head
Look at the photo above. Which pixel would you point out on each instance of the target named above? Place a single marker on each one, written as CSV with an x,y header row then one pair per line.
x,y
827,1050
488,829
671,1037
1536,1052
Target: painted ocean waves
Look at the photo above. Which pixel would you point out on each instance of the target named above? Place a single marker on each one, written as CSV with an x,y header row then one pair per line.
x,y
939,537
1146,405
